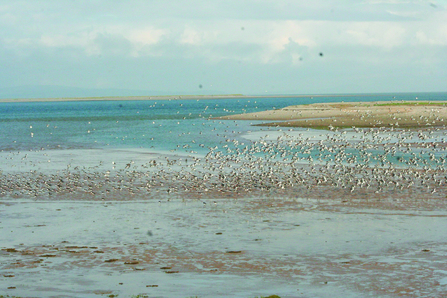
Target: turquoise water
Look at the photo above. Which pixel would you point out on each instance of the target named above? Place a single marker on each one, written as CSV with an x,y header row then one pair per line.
x,y
167,125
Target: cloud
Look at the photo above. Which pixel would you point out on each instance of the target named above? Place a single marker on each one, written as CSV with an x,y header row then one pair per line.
x,y
273,37
161,40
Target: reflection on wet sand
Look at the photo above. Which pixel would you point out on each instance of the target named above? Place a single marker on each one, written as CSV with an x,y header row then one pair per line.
x,y
291,247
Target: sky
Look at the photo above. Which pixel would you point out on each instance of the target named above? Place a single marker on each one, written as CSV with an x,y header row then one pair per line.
x,y
223,46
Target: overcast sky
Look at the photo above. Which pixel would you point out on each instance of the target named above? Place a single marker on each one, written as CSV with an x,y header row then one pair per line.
x,y
228,46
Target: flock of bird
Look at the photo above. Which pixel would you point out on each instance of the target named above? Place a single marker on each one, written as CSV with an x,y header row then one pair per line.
x,y
378,160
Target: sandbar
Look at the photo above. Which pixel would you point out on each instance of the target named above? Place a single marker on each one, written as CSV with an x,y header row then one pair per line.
x,y
405,114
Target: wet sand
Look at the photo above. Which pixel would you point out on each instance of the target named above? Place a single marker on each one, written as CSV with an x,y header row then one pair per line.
x,y
173,230
408,114
242,247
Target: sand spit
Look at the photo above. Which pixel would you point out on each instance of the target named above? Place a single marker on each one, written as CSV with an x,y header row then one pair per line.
x,y
406,114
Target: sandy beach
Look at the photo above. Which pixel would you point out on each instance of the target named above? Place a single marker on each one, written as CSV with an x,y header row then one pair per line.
x,y
409,114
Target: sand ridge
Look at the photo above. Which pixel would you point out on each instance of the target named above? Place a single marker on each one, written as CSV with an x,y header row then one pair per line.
x,y
358,114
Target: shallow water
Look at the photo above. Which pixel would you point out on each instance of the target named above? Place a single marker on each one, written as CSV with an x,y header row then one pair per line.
x,y
159,125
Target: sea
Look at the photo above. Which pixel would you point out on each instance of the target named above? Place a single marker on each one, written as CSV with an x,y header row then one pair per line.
x,y
183,127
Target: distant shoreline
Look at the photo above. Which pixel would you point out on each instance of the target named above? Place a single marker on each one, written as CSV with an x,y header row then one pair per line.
x,y
183,97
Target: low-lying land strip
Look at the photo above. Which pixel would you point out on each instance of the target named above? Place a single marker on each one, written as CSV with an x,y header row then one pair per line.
x,y
405,114
173,97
